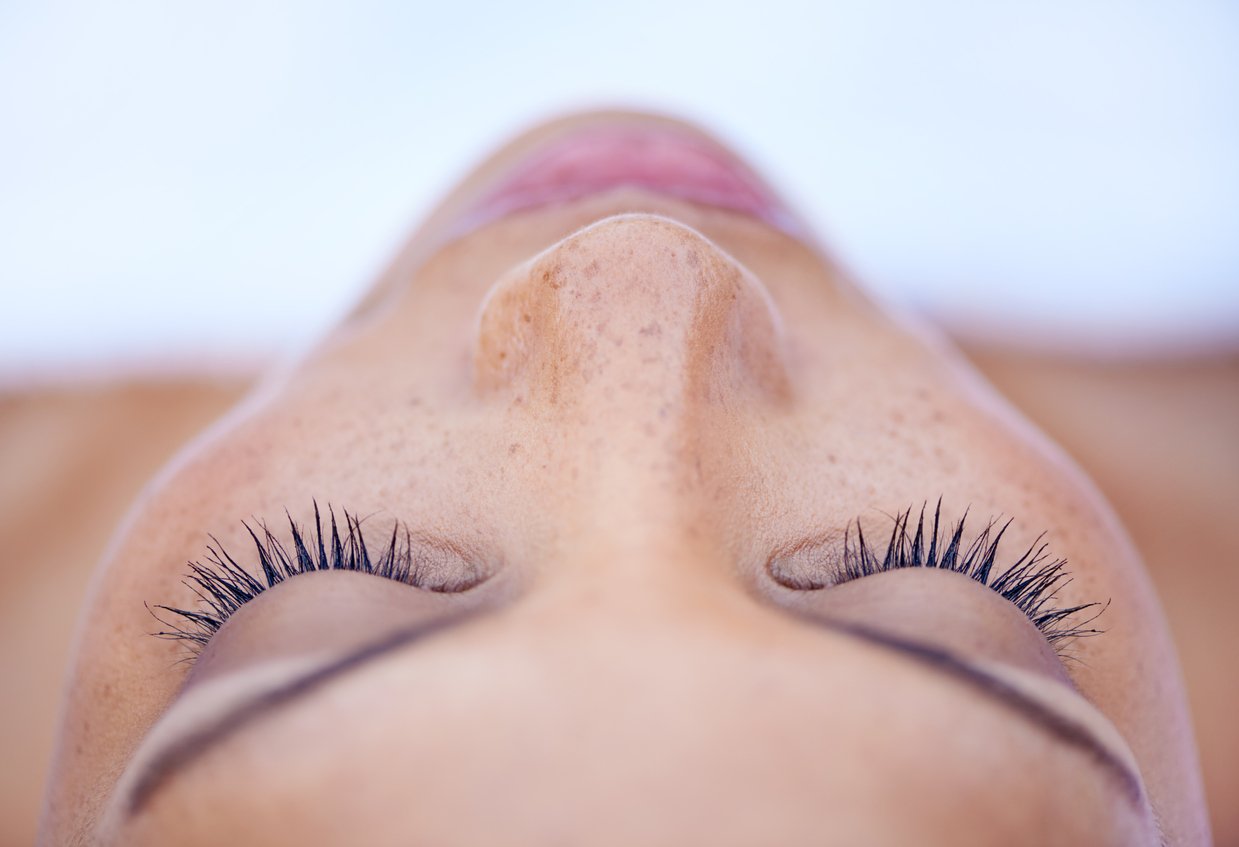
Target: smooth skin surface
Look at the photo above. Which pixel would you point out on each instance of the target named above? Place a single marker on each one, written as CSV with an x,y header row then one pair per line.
x,y
619,409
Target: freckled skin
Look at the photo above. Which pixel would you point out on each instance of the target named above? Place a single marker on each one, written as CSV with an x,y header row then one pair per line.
x,y
631,404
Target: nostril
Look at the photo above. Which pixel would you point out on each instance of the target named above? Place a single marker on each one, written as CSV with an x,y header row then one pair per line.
x,y
637,304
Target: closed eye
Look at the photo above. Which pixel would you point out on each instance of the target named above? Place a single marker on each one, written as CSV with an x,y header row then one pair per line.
x,y
1032,582
222,585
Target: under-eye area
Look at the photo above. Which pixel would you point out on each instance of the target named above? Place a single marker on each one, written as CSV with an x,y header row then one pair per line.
x,y
1033,581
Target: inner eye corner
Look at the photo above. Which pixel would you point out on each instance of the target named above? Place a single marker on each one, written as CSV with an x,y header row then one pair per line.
x,y
807,564
477,575
441,566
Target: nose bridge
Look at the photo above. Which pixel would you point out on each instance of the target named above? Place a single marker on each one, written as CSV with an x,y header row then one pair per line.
x,y
628,350
661,585
632,314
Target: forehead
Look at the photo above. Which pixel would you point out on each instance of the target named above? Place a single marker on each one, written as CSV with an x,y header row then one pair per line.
x,y
515,735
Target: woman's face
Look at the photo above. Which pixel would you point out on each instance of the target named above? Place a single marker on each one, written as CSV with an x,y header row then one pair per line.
x,y
625,424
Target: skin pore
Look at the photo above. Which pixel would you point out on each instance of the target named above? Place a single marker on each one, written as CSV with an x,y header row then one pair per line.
x,y
616,411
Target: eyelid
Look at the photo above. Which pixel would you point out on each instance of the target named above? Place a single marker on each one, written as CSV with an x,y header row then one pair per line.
x,y
318,614
946,611
223,586
1031,583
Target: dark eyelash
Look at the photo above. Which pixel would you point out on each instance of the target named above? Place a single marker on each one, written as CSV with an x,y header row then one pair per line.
x,y
1032,582
223,586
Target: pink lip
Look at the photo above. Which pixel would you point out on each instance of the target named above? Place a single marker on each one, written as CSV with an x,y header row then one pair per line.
x,y
662,160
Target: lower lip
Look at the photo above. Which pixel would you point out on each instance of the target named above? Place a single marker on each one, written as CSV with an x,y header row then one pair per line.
x,y
663,161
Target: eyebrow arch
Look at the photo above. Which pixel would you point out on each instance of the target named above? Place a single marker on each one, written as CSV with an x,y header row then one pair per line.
x,y
178,755
998,690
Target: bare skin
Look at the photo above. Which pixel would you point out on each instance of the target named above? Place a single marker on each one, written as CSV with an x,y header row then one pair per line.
x,y
622,408
1158,438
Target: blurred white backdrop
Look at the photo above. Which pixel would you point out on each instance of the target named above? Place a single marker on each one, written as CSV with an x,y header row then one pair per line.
x,y
204,182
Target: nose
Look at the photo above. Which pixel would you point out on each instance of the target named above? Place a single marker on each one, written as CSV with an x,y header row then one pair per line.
x,y
634,350
633,314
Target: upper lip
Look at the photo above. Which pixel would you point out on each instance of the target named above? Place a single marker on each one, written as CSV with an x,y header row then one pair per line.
x,y
661,157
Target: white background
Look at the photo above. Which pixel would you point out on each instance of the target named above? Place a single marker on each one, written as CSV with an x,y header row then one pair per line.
x,y
194,182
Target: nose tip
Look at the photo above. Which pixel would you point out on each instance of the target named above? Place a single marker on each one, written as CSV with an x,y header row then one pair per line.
x,y
636,305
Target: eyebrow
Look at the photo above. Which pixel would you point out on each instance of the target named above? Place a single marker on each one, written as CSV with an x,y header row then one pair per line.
x,y
178,755
1055,723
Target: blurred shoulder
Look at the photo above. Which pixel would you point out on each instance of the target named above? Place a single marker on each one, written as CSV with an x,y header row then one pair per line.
x,y
72,459
1160,437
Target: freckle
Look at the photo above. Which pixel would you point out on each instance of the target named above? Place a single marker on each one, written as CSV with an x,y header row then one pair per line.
x,y
514,448
503,354
527,318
